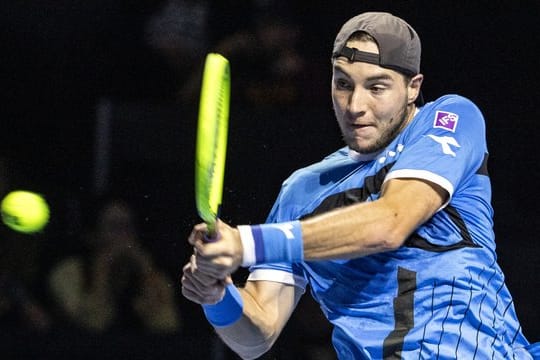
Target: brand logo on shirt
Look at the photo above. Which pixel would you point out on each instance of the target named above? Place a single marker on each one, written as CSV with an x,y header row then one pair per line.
x,y
445,120
446,142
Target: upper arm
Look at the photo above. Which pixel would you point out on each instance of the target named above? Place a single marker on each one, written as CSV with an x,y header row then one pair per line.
x,y
410,202
367,228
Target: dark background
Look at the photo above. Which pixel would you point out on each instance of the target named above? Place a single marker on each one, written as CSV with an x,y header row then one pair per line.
x,y
61,59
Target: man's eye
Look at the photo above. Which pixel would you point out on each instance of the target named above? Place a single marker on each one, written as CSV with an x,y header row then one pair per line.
x,y
343,84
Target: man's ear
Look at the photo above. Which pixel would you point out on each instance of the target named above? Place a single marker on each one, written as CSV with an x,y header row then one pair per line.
x,y
414,87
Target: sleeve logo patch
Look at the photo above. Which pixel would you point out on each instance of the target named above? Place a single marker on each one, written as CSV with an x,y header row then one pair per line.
x,y
446,120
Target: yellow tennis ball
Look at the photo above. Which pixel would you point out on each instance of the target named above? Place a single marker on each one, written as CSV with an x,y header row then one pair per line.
x,y
24,211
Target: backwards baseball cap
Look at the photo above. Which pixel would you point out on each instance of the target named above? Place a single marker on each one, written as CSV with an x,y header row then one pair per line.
x,y
399,44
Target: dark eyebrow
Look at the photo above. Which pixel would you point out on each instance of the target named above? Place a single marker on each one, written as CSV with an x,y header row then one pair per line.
x,y
340,69
380,77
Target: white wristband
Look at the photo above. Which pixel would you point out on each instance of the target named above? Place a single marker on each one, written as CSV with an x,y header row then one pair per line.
x,y
248,244
272,243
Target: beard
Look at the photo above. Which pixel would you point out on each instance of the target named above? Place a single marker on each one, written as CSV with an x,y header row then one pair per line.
x,y
389,133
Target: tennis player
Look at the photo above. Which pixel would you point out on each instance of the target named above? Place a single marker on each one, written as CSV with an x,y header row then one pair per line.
x,y
393,233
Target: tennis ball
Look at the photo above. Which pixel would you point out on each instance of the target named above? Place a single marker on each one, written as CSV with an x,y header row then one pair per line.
x,y
24,211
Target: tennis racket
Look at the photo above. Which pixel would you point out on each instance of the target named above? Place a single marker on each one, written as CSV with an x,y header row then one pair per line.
x,y
210,154
211,147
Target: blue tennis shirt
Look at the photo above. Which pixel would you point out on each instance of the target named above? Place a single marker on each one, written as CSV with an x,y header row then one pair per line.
x,y
442,294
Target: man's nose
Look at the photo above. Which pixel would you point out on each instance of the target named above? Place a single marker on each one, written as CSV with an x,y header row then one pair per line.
x,y
357,101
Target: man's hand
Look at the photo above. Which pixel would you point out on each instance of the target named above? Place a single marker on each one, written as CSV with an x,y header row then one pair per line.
x,y
217,259
202,288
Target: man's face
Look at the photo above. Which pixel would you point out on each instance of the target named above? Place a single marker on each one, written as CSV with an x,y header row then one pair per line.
x,y
372,104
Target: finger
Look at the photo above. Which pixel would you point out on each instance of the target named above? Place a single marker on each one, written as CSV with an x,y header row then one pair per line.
x,y
210,269
218,267
195,297
193,262
228,244
188,284
200,280
187,268
206,294
207,269
189,293
198,233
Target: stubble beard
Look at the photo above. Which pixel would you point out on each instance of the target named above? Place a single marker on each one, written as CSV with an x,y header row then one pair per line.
x,y
387,136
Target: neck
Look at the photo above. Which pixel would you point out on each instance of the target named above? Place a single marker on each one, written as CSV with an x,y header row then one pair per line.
x,y
411,112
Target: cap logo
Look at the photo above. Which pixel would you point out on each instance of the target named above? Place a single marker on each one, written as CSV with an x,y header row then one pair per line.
x,y
446,120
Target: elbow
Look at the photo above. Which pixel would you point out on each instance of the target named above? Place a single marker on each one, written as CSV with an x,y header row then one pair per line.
x,y
257,350
251,351
391,243
254,353
253,345
391,237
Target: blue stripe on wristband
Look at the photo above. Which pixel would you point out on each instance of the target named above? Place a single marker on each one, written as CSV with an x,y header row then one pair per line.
x,y
271,243
257,234
228,310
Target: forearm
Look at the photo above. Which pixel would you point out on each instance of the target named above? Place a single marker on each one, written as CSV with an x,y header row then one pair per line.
x,y
266,309
347,232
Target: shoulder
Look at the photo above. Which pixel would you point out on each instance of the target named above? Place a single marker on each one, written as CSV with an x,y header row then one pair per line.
x,y
452,102
309,183
452,99
331,161
450,113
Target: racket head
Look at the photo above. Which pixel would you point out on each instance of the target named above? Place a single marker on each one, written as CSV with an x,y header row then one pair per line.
x,y
211,142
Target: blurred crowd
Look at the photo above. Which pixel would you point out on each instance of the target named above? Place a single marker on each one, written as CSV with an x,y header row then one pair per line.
x,y
102,279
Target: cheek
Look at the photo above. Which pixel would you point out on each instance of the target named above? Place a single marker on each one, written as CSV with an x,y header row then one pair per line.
x,y
389,109
339,103
338,112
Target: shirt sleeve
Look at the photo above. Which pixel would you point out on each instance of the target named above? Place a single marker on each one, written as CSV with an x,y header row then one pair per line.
x,y
285,273
445,146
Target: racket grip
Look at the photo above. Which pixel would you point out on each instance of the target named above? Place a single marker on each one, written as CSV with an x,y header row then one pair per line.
x,y
212,233
228,310
211,237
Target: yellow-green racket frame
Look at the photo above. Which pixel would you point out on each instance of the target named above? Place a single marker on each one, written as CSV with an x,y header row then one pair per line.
x,y
211,147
